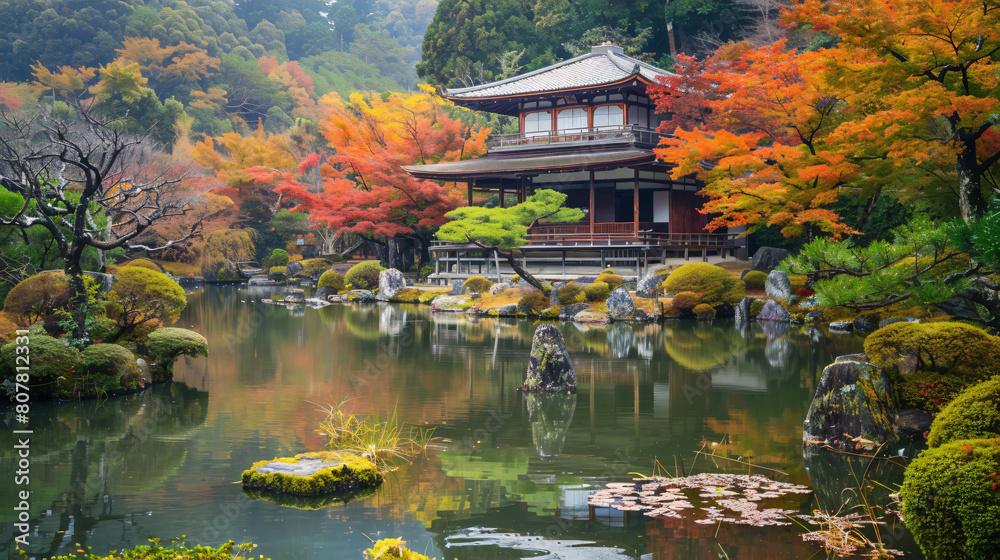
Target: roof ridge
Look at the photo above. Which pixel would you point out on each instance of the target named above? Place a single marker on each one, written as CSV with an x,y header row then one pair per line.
x,y
453,91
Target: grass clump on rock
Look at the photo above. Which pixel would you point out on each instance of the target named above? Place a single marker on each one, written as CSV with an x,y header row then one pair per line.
x,y
478,284
379,440
332,280
178,550
973,414
364,275
756,306
951,500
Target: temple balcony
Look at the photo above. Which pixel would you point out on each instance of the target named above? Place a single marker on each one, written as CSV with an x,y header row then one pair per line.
x,y
598,136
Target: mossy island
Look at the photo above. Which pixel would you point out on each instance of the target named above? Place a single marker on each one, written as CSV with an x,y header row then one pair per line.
x,y
337,476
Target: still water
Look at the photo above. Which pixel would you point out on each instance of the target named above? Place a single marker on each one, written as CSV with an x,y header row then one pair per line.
x,y
501,481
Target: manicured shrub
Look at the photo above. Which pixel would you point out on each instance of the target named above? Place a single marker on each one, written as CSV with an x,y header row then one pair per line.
x,y
685,301
35,297
715,285
140,294
532,303
756,306
101,369
51,359
570,293
332,280
314,267
278,257
278,272
607,271
364,275
973,414
704,312
167,344
956,350
103,329
478,284
611,279
598,291
145,263
755,279
951,500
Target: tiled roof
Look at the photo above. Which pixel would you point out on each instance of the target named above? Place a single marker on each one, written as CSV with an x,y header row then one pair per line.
x,y
605,64
492,165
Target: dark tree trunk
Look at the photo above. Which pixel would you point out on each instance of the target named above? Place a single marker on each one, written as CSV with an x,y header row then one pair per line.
x,y
524,274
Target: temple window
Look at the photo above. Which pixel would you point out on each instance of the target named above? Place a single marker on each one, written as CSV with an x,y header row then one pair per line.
x,y
609,115
537,123
570,119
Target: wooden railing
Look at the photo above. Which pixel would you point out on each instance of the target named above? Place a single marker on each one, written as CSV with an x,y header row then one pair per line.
x,y
627,133
615,233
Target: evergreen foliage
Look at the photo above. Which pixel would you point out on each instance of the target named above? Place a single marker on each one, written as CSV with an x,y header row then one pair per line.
x,y
332,280
951,349
973,414
37,296
713,284
364,275
168,343
52,366
597,292
478,284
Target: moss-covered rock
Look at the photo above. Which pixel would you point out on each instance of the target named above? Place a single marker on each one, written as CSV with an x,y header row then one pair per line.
x,y
853,398
550,369
951,500
313,474
973,414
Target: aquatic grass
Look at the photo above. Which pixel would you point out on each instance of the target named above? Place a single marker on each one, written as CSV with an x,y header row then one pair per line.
x,y
383,441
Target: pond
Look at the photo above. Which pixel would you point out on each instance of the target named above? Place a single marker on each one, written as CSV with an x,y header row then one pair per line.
x,y
499,481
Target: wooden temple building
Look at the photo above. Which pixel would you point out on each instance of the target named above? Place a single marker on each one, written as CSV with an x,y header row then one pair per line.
x,y
587,128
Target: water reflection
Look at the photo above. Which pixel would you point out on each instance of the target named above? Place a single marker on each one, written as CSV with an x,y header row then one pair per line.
x,y
550,417
646,393
91,456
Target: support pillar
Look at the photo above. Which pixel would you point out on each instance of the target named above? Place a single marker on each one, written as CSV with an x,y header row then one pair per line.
x,y
501,193
471,184
635,203
591,203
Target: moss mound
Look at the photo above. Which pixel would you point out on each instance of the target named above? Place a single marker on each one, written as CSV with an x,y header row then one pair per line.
x,y
951,500
685,301
478,284
37,296
713,284
532,303
167,344
704,312
313,474
106,359
755,280
364,275
52,366
598,291
332,280
570,293
973,414
957,349
756,306
611,279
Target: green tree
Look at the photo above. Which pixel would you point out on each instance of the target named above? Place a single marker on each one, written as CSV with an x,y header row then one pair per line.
x,y
140,295
503,229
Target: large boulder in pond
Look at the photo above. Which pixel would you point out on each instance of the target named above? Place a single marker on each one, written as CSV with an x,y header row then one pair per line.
x,y
569,311
853,408
777,285
620,305
767,259
311,475
296,296
293,269
390,283
550,369
773,311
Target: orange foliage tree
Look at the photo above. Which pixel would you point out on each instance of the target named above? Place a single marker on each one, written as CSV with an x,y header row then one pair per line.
x,y
364,188
906,100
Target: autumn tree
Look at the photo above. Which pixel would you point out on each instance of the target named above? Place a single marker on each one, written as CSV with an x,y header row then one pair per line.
x,y
76,173
364,188
922,78
505,229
